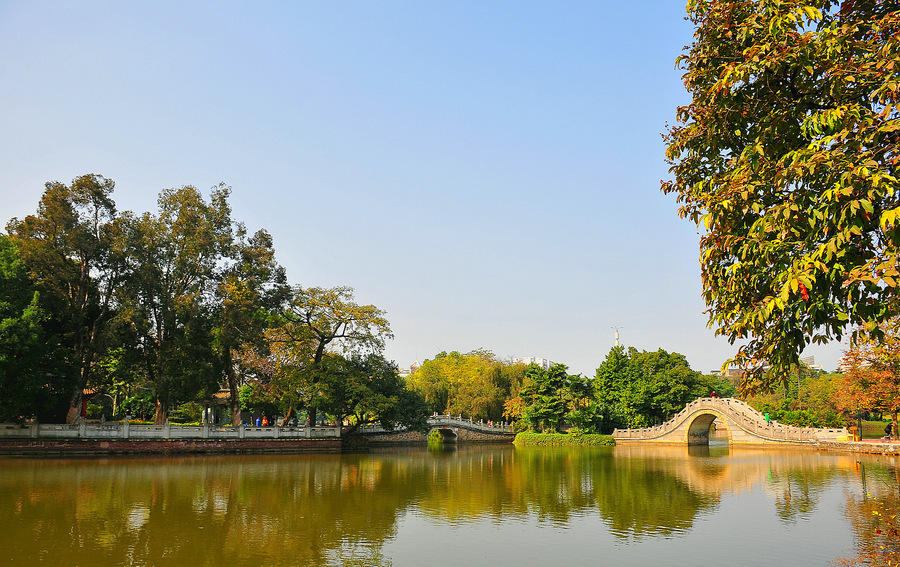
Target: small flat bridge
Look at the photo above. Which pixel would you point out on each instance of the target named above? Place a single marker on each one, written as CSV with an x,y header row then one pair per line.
x,y
744,425
452,428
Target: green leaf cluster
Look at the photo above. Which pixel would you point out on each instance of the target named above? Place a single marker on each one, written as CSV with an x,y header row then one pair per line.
x,y
34,376
787,159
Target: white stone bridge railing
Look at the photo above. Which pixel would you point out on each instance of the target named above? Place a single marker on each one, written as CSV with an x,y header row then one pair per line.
x,y
450,421
736,413
129,431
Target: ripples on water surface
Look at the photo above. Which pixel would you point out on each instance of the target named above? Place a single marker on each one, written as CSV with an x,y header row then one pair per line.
x,y
497,505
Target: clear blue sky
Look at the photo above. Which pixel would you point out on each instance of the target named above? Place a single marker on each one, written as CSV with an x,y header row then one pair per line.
x,y
486,172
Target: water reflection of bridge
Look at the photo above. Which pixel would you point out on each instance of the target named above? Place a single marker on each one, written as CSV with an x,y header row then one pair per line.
x,y
744,425
723,470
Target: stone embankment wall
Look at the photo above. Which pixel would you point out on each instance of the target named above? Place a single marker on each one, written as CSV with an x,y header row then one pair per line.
x,y
389,438
164,447
868,447
469,436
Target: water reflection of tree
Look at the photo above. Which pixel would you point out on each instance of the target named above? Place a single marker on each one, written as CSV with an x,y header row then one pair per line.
x,y
269,511
471,484
341,509
873,516
796,483
796,495
646,498
635,497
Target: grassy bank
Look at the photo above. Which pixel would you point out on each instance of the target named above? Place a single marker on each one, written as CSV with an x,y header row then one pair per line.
x,y
562,439
872,429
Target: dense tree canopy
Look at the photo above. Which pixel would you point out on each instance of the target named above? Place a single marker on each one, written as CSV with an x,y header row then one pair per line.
x,y
156,312
639,388
73,247
251,287
787,160
475,384
363,389
552,397
33,377
177,253
317,319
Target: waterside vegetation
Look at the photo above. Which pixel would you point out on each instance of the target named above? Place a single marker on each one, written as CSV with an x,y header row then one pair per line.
x,y
109,313
528,438
155,315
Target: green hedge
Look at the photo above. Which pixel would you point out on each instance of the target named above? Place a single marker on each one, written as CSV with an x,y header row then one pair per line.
x,y
562,439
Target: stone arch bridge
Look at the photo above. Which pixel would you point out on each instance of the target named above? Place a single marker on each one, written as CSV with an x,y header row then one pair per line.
x,y
453,428
744,425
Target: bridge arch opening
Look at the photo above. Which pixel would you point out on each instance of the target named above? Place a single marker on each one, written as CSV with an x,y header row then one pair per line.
x,y
448,434
699,431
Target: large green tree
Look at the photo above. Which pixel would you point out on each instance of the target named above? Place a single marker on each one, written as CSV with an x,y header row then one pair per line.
x,y
363,389
640,388
74,249
33,373
475,384
787,160
178,252
619,390
251,287
316,320
546,395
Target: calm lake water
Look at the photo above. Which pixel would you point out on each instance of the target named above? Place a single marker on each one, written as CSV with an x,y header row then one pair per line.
x,y
475,505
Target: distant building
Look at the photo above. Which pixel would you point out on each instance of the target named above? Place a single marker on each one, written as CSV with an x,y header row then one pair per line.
x,y
736,374
810,361
542,362
404,372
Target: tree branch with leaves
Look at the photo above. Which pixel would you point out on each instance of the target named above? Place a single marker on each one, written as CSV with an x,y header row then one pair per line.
x,y
317,319
787,161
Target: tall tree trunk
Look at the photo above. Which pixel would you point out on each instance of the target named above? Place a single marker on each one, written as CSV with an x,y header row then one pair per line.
x,y
235,404
74,413
317,361
894,426
234,400
161,413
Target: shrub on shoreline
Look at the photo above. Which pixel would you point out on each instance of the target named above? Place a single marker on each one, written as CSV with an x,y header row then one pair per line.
x,y
530,438
435,439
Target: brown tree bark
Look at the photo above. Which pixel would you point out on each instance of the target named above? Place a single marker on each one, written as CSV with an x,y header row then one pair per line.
x,y
161,413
